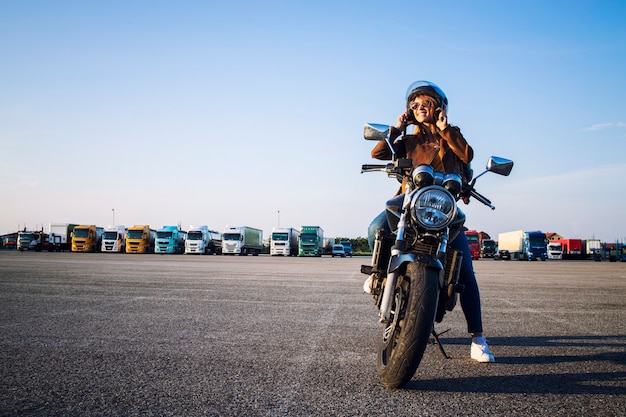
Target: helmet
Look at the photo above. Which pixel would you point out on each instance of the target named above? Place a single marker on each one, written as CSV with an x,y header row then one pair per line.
x,y
428,88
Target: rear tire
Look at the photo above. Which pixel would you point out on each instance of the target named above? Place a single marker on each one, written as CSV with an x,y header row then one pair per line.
x,y
405,337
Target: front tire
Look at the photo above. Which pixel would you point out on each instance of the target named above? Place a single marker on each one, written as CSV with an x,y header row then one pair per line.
x,y
405,337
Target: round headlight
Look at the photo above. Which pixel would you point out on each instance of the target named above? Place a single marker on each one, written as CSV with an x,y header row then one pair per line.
x,y
452,183
423,175
433,208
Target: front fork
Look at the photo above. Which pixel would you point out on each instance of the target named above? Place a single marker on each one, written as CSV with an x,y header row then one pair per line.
x,y
399,257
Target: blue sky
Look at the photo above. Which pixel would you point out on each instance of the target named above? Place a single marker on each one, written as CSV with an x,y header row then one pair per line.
x,y
251,113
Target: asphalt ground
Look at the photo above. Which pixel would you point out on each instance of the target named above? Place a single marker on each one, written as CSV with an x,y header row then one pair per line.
x,y
182,335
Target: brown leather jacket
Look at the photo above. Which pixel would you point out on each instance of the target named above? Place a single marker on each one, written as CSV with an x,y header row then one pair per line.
x,y
445,151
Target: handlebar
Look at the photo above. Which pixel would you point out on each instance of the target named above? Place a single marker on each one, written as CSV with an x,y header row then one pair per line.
x,y
479,197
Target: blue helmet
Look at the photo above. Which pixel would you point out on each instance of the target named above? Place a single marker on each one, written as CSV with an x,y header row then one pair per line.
x,y
428,88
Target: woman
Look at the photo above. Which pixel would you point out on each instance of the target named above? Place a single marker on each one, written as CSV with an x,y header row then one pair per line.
x,y
441,145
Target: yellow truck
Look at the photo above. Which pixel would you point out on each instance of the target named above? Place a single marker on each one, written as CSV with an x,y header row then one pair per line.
x,y
87,238
140,239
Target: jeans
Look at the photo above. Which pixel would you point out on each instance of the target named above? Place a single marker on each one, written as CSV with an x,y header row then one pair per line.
x,y
470,297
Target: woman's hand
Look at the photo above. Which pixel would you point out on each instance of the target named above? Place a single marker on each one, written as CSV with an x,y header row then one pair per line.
x,y
404,120
441,118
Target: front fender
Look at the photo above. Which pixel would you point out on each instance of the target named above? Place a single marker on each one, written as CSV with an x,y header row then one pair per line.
x,y
398,260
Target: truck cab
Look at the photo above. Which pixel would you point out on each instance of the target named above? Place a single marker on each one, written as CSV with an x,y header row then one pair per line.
x,y
140,239
487,248
170,239
87,238
473,241
114,239
347,247
555,250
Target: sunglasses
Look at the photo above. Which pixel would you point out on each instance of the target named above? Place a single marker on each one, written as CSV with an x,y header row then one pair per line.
x,y
426,104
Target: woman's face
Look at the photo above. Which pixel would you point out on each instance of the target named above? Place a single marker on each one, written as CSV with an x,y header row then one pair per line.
x,y
423,108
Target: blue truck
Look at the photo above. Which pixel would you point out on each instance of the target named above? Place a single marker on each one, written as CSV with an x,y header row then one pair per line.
x,y
347,247
523,245
170,239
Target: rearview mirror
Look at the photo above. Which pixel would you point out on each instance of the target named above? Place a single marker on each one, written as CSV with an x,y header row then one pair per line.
x,y
374,131
499,165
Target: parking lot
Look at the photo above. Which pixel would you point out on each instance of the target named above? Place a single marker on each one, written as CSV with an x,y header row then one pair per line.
x,y
112,334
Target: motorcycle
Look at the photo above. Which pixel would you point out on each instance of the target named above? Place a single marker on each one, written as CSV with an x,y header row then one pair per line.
x,y
415,284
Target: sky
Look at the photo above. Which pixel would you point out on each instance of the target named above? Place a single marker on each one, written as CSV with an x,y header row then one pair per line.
x,y
251,113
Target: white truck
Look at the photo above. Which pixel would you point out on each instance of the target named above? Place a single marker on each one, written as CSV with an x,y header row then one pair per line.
x,y
242,241
60,235
202,240
114,239
32,241
555,250
284,242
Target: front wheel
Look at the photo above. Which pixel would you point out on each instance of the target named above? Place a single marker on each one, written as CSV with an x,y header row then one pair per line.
x,y
406,335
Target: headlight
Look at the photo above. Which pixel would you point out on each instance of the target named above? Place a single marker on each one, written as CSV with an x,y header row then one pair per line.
x,y
433,208
452,183
423,175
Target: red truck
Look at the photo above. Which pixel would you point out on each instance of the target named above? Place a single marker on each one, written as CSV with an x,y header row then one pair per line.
x,y
473,239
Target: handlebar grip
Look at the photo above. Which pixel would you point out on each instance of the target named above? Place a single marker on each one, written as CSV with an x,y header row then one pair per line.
x,y
482,199
372,166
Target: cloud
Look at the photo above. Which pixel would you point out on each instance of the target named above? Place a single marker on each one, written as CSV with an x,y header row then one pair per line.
x,y
601,126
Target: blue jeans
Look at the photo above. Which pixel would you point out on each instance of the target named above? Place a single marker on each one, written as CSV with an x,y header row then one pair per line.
x,y
470,297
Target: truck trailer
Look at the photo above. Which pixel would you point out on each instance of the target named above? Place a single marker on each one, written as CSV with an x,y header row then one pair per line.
x,y
572,248
170,239
284,242
311,241
202,240
140,239
592,248
242,241
114,239
523,245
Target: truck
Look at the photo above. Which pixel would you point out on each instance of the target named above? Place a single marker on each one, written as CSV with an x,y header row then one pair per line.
x,y
140,239
32,241
87,238
523,245
473,240
170,239
555,250
487,248
114,239
60,236
202,240
242,241
311,241
284,242
592,249
347,247
572,248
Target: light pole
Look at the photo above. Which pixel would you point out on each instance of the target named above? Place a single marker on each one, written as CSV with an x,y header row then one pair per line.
x,y
113,210
278,219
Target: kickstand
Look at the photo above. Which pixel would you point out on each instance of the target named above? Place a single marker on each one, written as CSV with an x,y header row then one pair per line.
x,y
438,342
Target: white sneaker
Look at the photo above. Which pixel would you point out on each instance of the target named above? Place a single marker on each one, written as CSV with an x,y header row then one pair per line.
x,y
480,351
367,284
